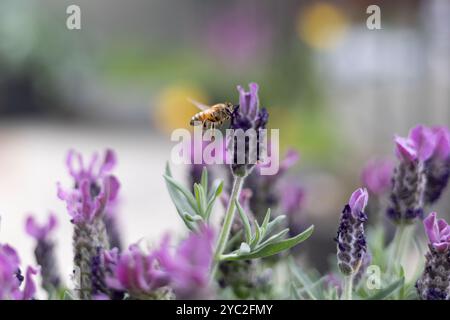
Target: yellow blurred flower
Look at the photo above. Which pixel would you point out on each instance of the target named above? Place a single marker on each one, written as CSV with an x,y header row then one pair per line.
x,y
321,25
173,110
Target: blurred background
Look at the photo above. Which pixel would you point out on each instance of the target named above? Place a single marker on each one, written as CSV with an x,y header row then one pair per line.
x,y
338,91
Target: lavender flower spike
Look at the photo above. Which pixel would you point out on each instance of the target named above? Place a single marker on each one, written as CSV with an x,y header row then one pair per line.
x,y
434,284
247,116
44,251
11,277
351,240
409,181
437,168
90,236
94,172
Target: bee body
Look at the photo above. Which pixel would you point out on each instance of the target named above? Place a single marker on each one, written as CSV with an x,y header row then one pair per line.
x,y
213,116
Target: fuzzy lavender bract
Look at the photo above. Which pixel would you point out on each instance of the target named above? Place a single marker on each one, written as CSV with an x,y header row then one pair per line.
x,y
434,284
351,240
45,251
90,237
409,180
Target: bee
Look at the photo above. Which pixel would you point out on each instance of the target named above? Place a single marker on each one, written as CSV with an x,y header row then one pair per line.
x,y
212,116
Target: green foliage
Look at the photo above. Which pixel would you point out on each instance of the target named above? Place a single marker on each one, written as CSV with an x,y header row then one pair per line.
x,y
262,241
193,208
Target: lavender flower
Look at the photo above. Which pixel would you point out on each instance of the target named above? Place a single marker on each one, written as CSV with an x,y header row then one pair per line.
x,y
11,278
409,181
137,273
44,251
247,116
377,175
434,284
292,202
437,168
351,241
188,268
94,173
87,210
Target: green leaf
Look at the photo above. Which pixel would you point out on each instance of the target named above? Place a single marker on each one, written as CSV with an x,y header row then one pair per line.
x,y
178,200
266,221
271,248
204,180
215,192
186,193
245,221
275,237
216,189
275,223
386,292
255,240
192,218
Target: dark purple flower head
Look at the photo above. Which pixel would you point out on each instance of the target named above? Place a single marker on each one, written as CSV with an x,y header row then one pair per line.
x,y
40,232
351,240
247,115
377,175
189,265
82,206
409,182
438,232
135,272
434,282
10,278
437,168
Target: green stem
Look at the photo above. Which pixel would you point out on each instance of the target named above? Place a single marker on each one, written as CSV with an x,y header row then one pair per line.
x,y
400,245
227,223
348,288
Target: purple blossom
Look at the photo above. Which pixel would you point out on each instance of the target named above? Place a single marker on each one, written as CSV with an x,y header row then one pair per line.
x,y
189,265
438,232
40,232
135,272
377,175
351,240
44,251
419,145
247,115
10,278
95,170
433,283
292,198
82,205
442,138
409,182
437,168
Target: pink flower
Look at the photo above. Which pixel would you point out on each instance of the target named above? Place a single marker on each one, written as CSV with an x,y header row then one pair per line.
x,y
419,145
377,175
438,232
11,279
358,201
40,232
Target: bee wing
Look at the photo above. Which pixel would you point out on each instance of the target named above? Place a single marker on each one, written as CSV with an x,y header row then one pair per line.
x,y
199,105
